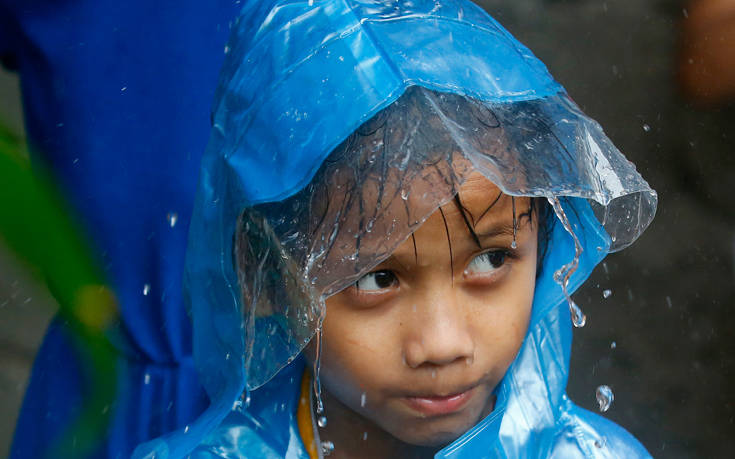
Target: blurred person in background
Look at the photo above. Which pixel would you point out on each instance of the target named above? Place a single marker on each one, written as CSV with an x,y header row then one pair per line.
x,y
116,104
707,58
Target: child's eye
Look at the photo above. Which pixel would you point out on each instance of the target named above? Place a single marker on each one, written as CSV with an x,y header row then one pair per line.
x,y
486,262
377,280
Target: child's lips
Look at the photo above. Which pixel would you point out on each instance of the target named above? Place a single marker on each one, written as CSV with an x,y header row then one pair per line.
x,y
435,405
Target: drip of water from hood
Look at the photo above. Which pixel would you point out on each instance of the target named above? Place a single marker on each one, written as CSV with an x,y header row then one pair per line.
x,y
564,273
604,397
316,383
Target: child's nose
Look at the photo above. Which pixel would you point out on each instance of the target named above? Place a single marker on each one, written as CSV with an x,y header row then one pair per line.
x,y
439,334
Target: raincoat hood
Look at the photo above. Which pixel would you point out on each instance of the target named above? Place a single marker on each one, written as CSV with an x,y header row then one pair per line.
x,y
388,106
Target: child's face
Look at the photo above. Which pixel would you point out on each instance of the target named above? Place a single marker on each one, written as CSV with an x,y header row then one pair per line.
x,y
418,345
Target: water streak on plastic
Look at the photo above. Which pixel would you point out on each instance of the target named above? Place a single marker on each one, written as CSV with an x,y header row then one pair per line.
x,y
564,273
604,397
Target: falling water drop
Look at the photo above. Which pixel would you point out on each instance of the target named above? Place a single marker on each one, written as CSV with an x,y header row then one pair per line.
x,y
172,218
604,397
327,448
646,127
363,399
322,421
613,345
606,293
146,289
147,379
364,436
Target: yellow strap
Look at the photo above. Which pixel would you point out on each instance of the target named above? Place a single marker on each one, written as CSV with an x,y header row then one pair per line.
x,y
303,417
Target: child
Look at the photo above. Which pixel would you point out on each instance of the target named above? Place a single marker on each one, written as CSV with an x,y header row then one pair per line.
x,y
396,202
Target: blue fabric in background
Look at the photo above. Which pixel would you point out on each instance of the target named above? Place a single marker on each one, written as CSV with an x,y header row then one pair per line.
x,y
117,99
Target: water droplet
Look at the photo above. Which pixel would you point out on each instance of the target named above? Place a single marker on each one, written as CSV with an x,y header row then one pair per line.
x,y
364,436
668,301
186,429
646,127
606,293
514,244
363,399
404,194
172,218
146,289
227,356
613,345
322,421
327,447
433,374
227,49
147,379
604,397
578,317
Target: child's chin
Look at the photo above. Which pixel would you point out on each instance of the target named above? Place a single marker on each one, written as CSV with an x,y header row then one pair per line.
x,y
435,436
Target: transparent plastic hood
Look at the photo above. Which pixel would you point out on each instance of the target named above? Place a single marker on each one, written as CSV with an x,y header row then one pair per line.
x,y
386,178
338,127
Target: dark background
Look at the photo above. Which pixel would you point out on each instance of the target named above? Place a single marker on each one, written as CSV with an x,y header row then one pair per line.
x,y
670,313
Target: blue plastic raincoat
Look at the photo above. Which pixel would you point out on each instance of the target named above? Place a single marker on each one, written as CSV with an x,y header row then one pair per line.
x,y
299,79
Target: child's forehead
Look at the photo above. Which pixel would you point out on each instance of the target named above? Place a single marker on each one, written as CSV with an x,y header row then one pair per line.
x,y
476,191
483,201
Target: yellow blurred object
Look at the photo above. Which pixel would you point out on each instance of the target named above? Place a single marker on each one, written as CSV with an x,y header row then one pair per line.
x,y
95,306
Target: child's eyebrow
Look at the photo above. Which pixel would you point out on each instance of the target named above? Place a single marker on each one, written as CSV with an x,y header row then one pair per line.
x,y
499,229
